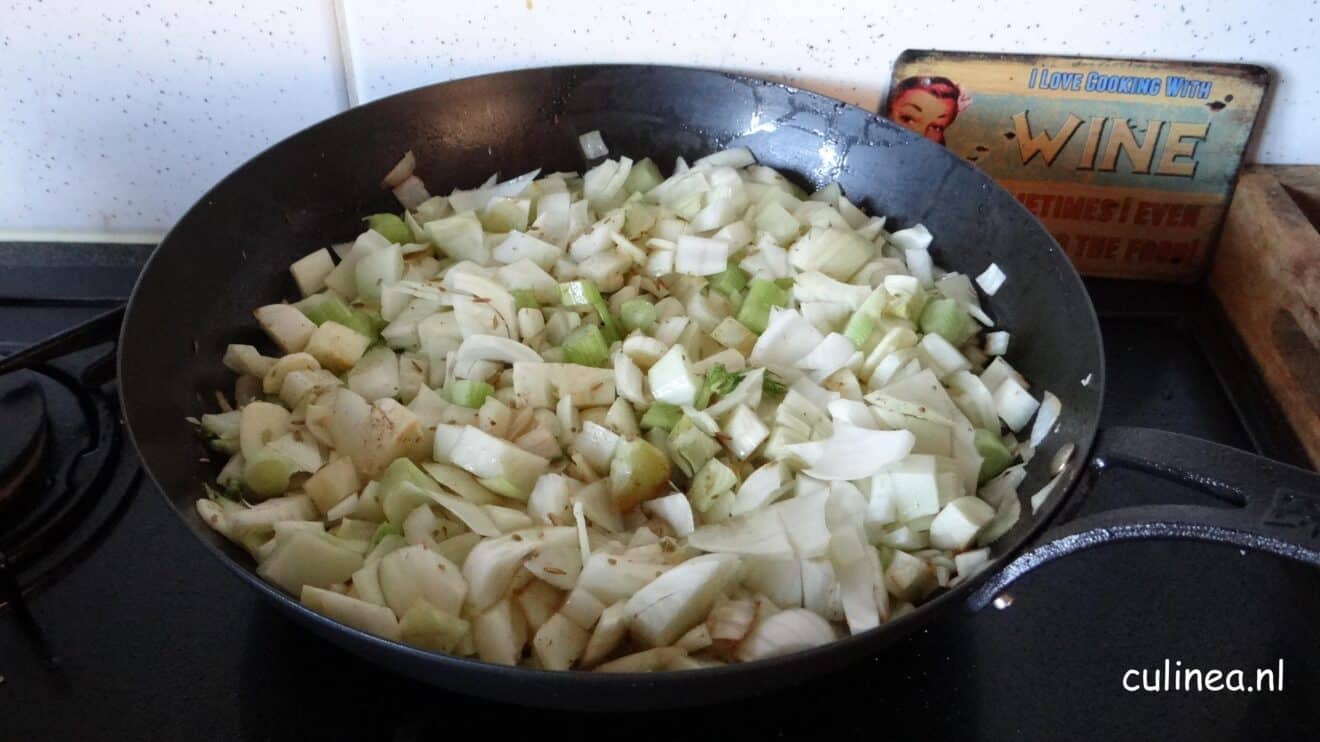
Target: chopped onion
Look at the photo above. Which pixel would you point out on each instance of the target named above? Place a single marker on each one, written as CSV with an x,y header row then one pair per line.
x,y
671,380
921,265
477,348
916,237
411,192
1038,499
831,354
593,145
675,510
804,521
857,567
1046,417
679,599
787,339
785,632
401,171
477,199
853,452
762,487
815,380
1015,404
991,279
732,157
759,533
700,256
957,524
998,371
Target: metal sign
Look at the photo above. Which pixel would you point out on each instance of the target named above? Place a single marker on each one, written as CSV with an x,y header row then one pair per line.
x,y
1129,164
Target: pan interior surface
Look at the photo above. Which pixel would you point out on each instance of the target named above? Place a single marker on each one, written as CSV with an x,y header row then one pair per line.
x,y
230,254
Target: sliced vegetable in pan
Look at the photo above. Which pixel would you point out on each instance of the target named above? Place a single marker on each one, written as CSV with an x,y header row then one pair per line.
x,y
624,422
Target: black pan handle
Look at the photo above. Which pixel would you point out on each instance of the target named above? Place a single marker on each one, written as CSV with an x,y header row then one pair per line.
x,y
1273,507
102,328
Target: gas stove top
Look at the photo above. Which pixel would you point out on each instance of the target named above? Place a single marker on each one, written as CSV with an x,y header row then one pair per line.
x,y
117,624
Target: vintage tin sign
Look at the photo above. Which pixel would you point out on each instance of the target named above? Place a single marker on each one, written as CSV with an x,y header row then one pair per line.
x,y
1130,164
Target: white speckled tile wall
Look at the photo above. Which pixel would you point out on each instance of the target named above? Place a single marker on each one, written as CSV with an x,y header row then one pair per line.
x,y
844,49
116,116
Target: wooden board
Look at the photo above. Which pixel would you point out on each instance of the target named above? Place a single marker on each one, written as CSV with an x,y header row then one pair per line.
x,y
1266,274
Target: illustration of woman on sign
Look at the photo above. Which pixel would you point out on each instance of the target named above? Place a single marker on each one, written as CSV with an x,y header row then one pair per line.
x,y
926,105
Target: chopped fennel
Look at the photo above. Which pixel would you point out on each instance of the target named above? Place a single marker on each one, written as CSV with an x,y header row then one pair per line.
x,y
624,422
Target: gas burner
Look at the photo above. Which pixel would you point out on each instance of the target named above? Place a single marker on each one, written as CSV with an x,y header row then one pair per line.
x,y
64,473
23,439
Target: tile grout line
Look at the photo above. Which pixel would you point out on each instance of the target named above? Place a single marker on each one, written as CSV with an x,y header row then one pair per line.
x,y
63,235
346,51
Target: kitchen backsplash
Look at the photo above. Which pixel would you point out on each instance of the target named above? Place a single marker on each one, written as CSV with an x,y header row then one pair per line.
x,y
116,116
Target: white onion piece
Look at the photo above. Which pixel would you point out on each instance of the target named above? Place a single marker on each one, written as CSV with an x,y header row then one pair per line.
x,y
580,521
820,589
916,237
490,348
761,488
974,399
1046,417
411,192
474,516
852,412
700,256
1015,404
857,567
996,343
748,392
628,379
1006,516
805,523
813,392
745,431
401,171
1038,499
477,198
760,533
675,510
944,358
787,338
491,566
921,265
679,599
958,287
1003,486
991,279
593,145
853,452
815,286
998,371
732,157
830,355
671,379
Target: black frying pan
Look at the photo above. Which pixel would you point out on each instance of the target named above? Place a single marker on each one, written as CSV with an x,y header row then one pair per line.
x,y
230,254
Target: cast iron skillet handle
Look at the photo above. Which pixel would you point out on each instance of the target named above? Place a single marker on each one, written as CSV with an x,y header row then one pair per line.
x,y
99,329
1276,506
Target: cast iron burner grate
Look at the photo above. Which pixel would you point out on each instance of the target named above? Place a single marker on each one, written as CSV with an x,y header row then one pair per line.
x,y
62,478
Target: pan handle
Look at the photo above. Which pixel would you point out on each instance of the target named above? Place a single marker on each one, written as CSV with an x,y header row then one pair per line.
x,y
1272,507
99,329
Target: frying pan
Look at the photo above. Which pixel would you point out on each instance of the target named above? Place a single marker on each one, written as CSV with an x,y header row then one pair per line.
x,y
230,253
